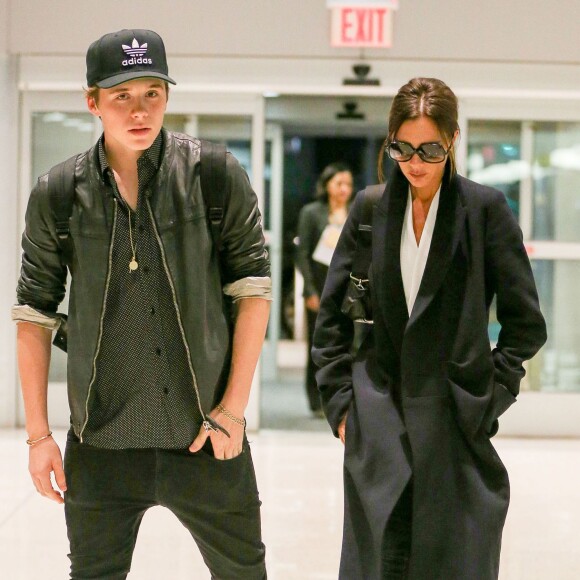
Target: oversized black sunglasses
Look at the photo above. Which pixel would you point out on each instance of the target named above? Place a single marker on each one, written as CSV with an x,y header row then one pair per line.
x,y
428,152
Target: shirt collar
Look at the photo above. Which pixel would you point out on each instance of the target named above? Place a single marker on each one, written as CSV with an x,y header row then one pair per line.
x,y
151,155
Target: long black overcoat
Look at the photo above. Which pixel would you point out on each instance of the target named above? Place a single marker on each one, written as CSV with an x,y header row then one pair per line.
x,y
424,391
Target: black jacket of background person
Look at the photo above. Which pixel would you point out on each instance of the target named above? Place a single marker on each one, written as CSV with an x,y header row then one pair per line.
x,y
424,392
189,257
312,221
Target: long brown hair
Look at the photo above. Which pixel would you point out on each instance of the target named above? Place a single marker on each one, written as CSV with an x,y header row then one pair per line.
x,y
424,97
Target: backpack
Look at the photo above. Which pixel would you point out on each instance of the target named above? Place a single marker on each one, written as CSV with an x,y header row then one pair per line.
x,y
61,193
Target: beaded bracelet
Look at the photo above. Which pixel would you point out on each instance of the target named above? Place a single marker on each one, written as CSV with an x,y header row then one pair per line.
x,y
229,415
32,442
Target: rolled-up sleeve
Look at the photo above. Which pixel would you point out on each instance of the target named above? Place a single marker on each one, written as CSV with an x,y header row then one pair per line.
x,y
25,313
250,287
42,283
245,262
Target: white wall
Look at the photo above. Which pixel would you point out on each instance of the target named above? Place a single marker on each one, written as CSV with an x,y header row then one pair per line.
x,y
219,46
457,30
8,233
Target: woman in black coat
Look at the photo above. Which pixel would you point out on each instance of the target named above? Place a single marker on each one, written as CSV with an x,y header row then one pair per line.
x,y
426,494
319,225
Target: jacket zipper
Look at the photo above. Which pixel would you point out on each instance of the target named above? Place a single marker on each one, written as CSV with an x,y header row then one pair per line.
x,y
207,424
97,350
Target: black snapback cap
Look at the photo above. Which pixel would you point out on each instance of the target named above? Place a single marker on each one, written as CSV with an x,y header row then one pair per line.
x,y
126,55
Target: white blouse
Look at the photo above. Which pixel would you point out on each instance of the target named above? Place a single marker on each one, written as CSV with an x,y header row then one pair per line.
x,y
413,256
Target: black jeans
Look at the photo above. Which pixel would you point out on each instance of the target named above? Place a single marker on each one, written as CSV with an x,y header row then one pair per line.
x,y
397,539
109,491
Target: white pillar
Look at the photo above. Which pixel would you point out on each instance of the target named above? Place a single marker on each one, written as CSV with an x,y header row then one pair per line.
x,y
9,237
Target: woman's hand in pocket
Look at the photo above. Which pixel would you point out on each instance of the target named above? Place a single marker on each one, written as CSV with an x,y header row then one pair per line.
x,y
342,428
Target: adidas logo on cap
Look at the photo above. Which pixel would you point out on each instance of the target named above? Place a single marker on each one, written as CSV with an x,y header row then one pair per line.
x,y
136,53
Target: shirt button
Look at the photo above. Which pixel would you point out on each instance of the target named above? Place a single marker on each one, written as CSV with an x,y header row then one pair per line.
x,y
166,390
158,351
152,310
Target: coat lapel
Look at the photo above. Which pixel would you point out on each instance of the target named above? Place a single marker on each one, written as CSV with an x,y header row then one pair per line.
x,y
388,283
448,229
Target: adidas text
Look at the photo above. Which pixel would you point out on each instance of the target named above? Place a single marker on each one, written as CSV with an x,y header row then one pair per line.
x,y
132,61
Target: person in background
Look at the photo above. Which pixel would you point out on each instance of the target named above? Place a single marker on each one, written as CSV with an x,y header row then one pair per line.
x,y
426,494
158,373
319,225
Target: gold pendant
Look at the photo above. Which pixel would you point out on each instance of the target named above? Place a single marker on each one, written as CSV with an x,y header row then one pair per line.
x,y
133,265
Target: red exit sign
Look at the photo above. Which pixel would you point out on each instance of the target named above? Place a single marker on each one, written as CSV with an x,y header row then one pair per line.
x,y
362,26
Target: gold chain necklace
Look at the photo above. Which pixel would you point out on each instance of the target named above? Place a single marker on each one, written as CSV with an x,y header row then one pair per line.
x,y
133,265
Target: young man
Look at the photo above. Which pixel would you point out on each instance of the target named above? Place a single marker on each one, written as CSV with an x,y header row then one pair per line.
x,y
158,375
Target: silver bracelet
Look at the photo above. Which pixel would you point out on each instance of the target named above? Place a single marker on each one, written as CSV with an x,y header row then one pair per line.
x,y
32,442
231,416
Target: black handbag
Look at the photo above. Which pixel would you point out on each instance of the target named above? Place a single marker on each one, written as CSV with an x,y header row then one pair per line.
x,y
356,303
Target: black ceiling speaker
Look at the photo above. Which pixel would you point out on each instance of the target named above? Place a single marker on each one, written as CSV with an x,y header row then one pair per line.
x,y
350,112
361,72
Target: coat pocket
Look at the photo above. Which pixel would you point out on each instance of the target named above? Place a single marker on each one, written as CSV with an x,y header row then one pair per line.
x,y
471,386
501,401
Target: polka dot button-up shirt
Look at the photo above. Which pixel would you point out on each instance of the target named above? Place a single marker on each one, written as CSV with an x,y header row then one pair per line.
x,y
143,395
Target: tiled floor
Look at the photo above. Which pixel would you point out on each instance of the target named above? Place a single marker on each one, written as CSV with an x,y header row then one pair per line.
x,y
299,475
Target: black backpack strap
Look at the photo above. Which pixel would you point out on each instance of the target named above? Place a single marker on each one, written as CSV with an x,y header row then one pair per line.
x,y
362,258
61,193
213,186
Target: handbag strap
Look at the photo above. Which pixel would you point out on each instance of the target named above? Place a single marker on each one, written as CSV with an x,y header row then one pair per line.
x,y
362,258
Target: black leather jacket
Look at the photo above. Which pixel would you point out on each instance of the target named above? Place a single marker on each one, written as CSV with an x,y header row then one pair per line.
x,y
175,201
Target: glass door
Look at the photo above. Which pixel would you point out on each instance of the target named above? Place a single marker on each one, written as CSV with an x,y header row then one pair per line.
x,y
537,166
